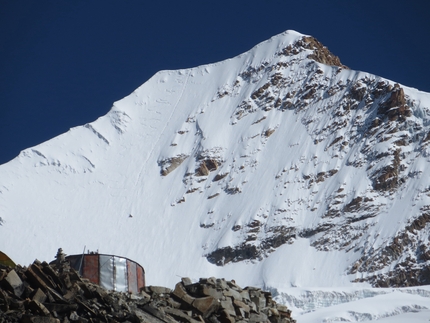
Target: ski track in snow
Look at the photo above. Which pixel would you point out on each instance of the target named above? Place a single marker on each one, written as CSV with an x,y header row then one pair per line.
x,y
163,131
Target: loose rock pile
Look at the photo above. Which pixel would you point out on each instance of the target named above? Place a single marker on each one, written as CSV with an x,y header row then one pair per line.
x,y
44,293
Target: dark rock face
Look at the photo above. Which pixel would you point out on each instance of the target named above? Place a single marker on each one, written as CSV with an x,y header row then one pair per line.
x,y
225,255
395,108
44,293
413,271
320,53
206,166
387,118
365,122
275,237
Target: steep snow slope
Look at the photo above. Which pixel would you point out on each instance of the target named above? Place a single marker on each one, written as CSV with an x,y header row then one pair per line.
x,y
279,167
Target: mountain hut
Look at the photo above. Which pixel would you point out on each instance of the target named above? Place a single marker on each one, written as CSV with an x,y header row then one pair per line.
x,y
109,271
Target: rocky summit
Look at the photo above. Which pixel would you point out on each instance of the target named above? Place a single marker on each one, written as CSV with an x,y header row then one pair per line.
x,y
281,163
43,293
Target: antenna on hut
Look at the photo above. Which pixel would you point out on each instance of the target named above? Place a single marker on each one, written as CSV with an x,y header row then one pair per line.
x,y
82,258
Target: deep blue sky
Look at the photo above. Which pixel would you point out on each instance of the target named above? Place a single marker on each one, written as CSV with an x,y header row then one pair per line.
x,y
64,62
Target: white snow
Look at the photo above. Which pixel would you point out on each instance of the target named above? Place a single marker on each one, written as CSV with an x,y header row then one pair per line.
x,y
356,305
79,188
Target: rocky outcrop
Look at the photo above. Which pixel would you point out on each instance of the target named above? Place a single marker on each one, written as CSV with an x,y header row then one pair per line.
x,y
321,53
43,293
367,120
407,248
395,108
170,164
253,248
206,166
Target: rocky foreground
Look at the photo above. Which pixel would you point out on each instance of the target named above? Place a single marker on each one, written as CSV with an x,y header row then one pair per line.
x,y
44,293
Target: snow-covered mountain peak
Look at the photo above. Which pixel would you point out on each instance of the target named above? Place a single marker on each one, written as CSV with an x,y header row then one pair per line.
x,y
280,157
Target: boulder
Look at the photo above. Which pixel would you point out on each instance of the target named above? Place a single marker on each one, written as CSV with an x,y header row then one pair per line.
x,y
14,283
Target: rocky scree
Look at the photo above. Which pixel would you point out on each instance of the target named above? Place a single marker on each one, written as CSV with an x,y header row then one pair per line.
x,y
44,293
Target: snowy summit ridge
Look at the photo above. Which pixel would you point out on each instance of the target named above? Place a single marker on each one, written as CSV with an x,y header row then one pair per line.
x,y
278,167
